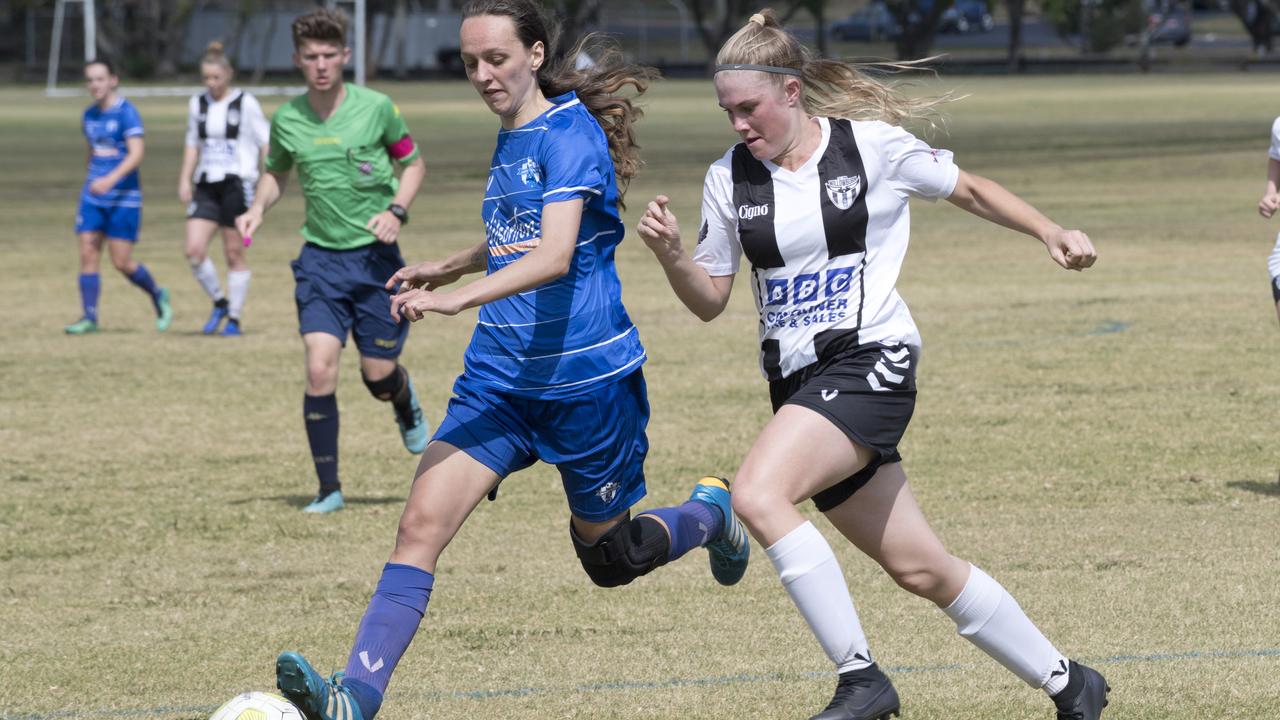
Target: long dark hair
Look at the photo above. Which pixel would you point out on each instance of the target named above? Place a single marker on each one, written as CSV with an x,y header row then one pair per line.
x,y
599,84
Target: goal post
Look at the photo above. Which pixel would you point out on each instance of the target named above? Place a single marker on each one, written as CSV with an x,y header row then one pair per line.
x,y
55,45
358,40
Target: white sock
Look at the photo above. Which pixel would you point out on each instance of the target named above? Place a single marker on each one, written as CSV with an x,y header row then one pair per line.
x,y
813,579
988,616
238,288
207,275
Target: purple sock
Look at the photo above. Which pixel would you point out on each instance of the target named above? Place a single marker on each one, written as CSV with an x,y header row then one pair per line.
x,y
90,286
142,278
394,612
691,525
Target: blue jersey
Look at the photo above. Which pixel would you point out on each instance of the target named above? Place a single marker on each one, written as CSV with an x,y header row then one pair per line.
x,y
107,132
572,334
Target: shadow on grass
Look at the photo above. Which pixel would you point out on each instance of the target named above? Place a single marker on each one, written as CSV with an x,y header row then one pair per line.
x,y
1262,488
301,501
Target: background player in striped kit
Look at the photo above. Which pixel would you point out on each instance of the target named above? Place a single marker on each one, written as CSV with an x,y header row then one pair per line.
x,y
819,205
1268,205
553,369
344,140
111,199
226,140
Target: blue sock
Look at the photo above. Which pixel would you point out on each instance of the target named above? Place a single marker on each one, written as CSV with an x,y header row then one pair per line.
x,y
90,287
321,415
142,278
691,525
394,613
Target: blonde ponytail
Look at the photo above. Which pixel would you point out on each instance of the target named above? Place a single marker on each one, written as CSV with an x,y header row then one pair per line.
x,y
832,88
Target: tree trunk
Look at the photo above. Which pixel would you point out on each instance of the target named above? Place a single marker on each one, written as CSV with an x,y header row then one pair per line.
x,y
1016,9
264,52
918,29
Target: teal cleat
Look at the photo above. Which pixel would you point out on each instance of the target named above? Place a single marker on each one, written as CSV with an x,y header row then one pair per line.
x,y
332,502
730,550
164,311
413,426
215,319
317,698
83,326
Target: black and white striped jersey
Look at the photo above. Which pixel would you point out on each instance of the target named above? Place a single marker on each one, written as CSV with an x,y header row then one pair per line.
x,y
230,133
825,242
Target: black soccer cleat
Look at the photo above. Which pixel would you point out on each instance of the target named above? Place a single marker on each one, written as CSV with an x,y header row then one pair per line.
x,y
1083,701
864,694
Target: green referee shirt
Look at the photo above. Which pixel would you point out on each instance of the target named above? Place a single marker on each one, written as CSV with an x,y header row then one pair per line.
x,y
344,162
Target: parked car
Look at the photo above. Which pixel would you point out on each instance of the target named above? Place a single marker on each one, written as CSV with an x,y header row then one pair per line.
x,y
968,16
872,23
1168,23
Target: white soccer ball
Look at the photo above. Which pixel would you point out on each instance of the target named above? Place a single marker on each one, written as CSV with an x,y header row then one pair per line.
x,y
257,706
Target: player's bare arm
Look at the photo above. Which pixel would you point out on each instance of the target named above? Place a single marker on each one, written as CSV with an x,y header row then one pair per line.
x,y
704,295
132,160
431,274
385,225
269,189
1270,201
990,201
190,154
549,260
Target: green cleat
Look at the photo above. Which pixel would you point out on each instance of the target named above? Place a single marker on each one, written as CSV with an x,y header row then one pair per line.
x,y
317,698
731,549
164,311
83,326
413,426
332,502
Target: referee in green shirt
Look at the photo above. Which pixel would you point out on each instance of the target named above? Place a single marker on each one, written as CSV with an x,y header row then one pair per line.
x,y
343,140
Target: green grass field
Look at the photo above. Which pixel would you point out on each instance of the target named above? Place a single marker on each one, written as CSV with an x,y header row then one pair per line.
x,y
1102,442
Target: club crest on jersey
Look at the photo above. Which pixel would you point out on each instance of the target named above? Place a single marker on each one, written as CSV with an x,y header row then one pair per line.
x,y
843,190
233,117
529,172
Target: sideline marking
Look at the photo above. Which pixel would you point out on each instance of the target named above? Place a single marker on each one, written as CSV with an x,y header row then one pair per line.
x,y
674,683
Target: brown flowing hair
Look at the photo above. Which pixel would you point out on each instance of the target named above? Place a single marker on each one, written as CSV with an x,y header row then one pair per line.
x,y
832,88
600,83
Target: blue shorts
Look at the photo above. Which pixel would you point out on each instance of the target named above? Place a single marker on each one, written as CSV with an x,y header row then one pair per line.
x,y
114,222
342,291
596,440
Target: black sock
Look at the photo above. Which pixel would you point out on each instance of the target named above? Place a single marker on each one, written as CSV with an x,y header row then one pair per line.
x,y
221,304
321,416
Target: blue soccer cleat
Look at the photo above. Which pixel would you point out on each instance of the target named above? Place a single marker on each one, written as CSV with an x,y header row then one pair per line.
x,y
317,698
215,319
332,502
164,310
730,550
413,426
232,329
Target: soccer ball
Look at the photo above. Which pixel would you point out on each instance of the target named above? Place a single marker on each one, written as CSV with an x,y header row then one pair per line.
x,y
257,706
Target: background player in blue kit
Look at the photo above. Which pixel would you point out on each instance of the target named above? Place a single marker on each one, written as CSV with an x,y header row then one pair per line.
x,y
817,197
111,199
553,369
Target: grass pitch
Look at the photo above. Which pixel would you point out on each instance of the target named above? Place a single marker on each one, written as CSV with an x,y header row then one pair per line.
x,y
1100,442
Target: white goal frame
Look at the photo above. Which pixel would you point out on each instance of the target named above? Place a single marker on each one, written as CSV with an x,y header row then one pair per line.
x,y
359,40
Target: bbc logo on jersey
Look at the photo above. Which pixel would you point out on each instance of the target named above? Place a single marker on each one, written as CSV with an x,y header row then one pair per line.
x,y
808,287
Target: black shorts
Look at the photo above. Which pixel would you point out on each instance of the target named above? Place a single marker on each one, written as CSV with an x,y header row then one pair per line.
x,y
869,392
342,292
220,201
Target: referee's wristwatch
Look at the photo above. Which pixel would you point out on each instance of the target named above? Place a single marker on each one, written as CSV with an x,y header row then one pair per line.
x,y
401,214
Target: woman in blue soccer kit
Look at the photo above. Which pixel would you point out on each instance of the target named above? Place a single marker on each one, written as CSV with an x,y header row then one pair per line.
x,y
111,199
552,372
819,204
